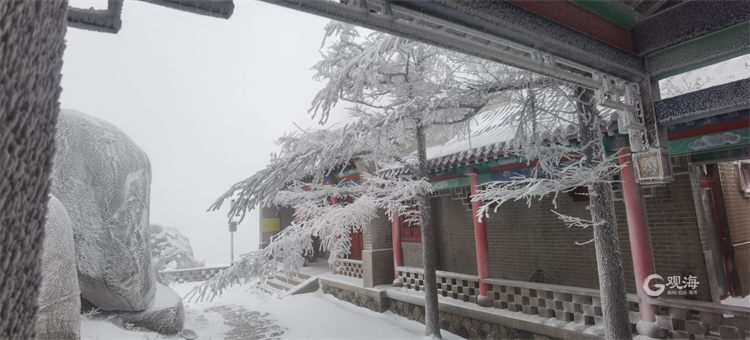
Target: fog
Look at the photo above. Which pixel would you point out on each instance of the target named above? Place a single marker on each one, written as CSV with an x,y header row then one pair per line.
x,y
205,98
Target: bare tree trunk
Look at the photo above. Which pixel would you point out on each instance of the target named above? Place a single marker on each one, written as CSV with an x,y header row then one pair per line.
x,y
429,251
606,241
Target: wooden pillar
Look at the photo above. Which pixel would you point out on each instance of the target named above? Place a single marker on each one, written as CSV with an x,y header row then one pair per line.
x,y
640,246
398,258
480,238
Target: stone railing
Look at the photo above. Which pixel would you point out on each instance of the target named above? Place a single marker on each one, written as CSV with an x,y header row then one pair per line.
x,y
565,303
192,274
582,306
348,267
699,319
458,286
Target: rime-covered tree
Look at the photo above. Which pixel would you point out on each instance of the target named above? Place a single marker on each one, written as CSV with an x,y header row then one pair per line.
x,y
561,127
399,93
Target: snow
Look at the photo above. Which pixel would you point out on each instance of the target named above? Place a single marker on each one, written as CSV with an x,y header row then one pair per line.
x,y
705,77
737,301
316,268
309,316
164,298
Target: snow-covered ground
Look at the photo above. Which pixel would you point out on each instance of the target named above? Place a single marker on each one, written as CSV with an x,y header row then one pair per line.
x,y
306,316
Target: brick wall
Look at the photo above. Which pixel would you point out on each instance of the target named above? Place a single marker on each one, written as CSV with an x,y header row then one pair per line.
x,y
675,239
532,244
412,253
378,235
452,215
377,256
737,206
738,218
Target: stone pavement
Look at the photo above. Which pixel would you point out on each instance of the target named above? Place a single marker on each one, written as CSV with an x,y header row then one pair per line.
x,y
247,324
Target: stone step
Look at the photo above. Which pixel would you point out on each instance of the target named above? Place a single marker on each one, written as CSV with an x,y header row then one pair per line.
x,y
271,291
302,276
280,285
292,279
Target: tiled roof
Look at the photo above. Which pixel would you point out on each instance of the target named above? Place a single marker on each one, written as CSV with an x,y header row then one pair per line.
x,y
490,138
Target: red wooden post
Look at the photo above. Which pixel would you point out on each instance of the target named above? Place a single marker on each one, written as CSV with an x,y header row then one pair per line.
x,y
398,259
480,237
640,247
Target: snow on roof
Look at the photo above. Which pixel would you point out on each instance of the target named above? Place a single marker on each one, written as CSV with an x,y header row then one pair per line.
x,y
488,139
491,137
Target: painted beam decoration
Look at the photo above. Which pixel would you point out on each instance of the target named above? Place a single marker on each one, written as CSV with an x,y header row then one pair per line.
x,y
726,131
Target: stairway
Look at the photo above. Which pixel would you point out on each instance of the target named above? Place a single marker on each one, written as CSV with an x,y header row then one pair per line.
x,y
280,285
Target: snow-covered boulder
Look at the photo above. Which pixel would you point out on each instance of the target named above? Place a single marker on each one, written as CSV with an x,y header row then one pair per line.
x,y
171,249
165,315
59,298
103,179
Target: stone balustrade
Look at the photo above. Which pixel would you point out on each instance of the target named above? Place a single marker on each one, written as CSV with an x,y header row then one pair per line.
x,y
192,274
564,303
348,267
582,306
701,320
458,286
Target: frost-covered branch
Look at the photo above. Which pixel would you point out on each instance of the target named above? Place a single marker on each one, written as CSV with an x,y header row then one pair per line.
x,y
310,155
551,176
572,221
316,215
575,222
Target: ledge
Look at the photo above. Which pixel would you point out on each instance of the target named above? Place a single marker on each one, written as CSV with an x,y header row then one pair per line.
x,y
518,320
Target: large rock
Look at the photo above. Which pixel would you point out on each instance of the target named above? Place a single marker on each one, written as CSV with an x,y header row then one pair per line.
x,y
170,248
103,180
59,297
165,315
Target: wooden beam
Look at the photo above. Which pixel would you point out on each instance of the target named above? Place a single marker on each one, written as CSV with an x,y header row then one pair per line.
x,y
575,17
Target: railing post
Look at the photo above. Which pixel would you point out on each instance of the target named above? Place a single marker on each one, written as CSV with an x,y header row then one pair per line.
x,y
640,246
398,259
480,238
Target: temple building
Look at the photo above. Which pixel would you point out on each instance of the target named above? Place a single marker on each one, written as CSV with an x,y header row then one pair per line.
x,y
523,258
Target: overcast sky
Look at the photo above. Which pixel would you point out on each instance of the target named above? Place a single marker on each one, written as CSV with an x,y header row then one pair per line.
x,y
205,98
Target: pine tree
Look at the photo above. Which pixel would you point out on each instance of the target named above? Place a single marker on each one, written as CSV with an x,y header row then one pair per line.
x,y
401,95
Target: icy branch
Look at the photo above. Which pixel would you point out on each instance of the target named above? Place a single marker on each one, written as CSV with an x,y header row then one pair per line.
x,y
562,178
572,221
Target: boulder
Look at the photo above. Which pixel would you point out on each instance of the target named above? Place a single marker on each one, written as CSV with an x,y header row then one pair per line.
x,y
59,297
103,179
165,315
171,249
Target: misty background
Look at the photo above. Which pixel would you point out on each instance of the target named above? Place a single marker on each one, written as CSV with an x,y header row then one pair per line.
x,y
205,98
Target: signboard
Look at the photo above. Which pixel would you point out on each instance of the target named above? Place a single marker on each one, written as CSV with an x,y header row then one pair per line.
x,y
233,226
270,225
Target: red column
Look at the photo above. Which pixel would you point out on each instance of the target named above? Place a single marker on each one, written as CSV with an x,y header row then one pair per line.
x,y
640,247
480,237
398,259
